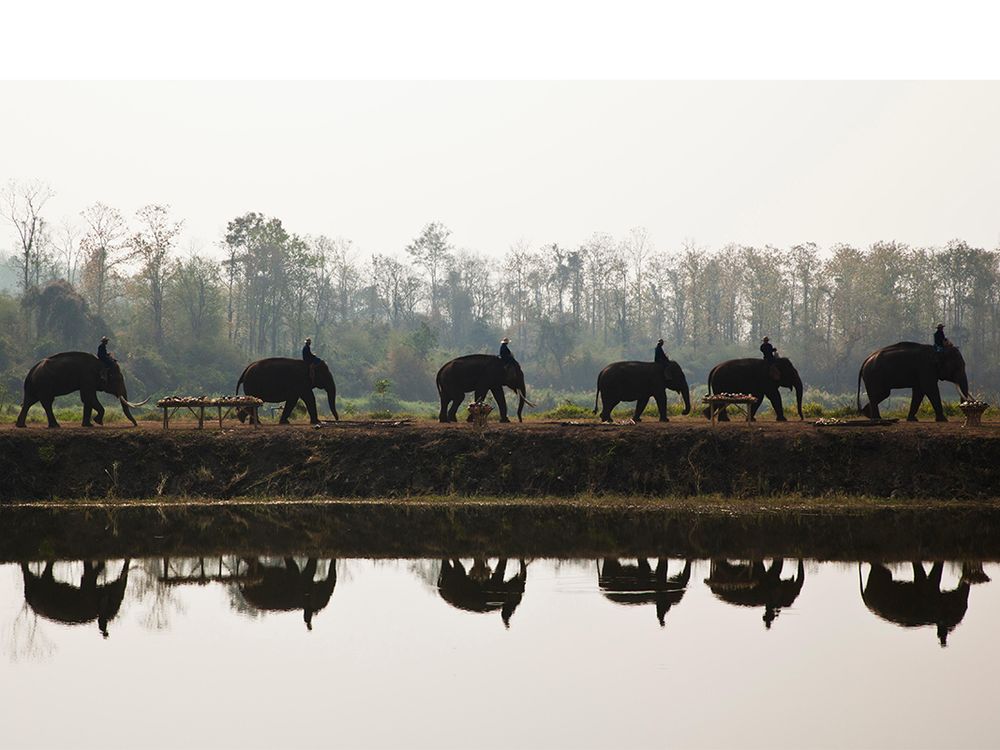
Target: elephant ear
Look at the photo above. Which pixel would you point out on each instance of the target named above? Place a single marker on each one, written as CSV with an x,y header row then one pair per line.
x,y
774,373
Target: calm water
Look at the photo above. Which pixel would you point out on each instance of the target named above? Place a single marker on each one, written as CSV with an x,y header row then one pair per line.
x,y
229,652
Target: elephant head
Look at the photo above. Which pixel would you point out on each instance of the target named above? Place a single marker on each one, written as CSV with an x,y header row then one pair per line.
x,y
951,367
673,377
513,378
115,385
788,377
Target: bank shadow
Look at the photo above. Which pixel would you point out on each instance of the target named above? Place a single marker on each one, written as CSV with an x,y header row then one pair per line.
x,y
71,604
754,584
482,589
630,585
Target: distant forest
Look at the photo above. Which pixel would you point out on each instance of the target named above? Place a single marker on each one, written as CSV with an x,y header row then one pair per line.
x,y
184,321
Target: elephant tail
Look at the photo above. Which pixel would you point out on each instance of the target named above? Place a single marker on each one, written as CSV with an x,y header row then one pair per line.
x,y
860,370
597,394
240,381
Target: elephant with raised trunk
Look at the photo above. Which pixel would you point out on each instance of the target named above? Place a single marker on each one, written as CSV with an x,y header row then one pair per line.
x,y
759,378
74,371
628,584
639,382
74,605
284,379
911,365
479,374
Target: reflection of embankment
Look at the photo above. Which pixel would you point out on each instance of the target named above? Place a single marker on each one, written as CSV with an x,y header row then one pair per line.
x,y
629,584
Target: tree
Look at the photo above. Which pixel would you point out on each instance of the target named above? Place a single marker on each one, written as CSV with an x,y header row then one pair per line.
x,y
151,246
432,252
22,205
105,246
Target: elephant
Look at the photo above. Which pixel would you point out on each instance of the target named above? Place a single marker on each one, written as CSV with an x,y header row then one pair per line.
x,y
911,365
285,379
479,373
918,602
479,589
283,589
640,584
75,605
640,381
74,371
754,585
759,378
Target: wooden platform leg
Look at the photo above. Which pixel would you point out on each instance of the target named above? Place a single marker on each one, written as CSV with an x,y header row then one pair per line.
x,y
220,416
166,418
201,417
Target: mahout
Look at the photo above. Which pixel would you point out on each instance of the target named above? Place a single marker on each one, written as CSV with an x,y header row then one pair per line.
x,y
277,379
639,382
479,374
67,372
915,366
759,378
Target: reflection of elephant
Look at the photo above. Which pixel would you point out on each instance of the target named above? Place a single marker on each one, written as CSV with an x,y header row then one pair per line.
x,y
285,379
74,605
759,378
477,374
917,602
479,590
910,365
282,589
74,371
754,585
639,382
640,584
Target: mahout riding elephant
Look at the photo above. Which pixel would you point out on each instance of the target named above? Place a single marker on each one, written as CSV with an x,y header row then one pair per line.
x,y
639,382
640,584
911,365
287,588
74,371
481,590
918,602
479,374
75,605
752,584
284,379
759,378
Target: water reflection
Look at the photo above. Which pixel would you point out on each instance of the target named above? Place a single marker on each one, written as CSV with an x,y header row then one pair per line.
x,y
482,589
624,583
754,584
284,588
75,604
920,602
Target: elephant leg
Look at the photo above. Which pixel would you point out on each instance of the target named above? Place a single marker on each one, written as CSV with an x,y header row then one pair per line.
x,y
456,403
310,401
779,411
87,408
501,400
661,406
640,407
722,414
874,399
47,405
755,406
25,406
443,414
609,405
287,411
934,396
915,400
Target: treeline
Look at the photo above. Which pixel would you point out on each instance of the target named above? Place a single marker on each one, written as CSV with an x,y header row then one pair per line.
x,y
188,320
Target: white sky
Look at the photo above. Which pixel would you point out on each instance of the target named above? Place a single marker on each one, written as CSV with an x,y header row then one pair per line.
x,y
753,163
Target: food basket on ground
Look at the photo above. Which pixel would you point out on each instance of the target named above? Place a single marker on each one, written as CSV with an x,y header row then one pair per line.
x,y
478,412
973,410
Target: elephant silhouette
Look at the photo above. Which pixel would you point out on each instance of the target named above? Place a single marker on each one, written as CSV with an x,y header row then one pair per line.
x,y
755,585
75,605
919,602
285,588
641,584
480,589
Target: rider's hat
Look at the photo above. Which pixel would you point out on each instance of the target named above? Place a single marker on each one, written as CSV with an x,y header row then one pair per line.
x,y
308,340
104,339
765,339
505,340
940,325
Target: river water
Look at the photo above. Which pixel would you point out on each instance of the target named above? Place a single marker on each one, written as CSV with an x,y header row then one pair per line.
x,y
271,652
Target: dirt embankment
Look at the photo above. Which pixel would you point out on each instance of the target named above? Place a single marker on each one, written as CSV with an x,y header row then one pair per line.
x,y
677,459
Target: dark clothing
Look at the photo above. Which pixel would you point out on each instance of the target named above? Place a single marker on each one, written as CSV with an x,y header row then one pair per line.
x,y
658,354
102,354
939,339
308,356
505,354
768,350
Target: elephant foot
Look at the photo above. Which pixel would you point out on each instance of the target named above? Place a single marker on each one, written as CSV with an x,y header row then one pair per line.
x,y
665,419
283,421
99,420
637,419
911,419
54,426
941,419
504,420
780,419
87,424
20,424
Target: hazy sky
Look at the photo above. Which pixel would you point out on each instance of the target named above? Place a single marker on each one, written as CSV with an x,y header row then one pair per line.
x,y
753,163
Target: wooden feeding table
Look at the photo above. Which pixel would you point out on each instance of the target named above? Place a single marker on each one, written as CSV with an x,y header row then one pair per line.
x,y
719,401
197,405
973,411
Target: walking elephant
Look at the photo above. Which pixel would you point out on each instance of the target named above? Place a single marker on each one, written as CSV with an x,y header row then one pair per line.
x,y
479,374
284,379
74,371
75,605
754,585
482,590
640,584
911,365
918,602
283,589
640,381
759,378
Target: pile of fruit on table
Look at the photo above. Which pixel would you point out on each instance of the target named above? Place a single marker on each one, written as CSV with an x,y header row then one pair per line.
x,y
209,401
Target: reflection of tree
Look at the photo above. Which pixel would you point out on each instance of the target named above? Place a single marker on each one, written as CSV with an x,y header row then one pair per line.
x,y
25,640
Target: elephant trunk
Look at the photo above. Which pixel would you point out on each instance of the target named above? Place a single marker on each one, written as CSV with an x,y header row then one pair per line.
x,y
686,393
963,387
331,400
798,394
126,412
520,406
